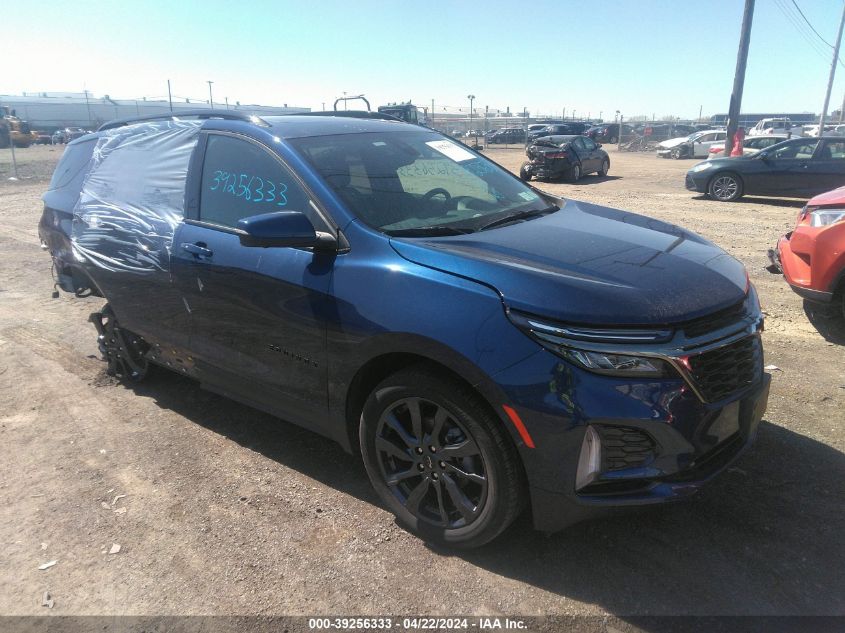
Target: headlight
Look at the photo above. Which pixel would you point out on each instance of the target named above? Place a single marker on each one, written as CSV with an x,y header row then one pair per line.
x,y
569,342
824,217
701,167
617,364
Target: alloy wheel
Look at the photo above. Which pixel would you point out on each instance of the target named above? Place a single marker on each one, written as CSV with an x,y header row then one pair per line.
x,y
430,463
724,187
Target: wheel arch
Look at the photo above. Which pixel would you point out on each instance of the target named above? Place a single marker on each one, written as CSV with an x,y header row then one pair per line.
x,y
379,367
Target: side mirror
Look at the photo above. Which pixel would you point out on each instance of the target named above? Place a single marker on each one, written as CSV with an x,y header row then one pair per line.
x,y
598,144
282,228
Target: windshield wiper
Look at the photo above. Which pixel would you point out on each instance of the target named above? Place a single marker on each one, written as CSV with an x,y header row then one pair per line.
x,y
428,231
522,215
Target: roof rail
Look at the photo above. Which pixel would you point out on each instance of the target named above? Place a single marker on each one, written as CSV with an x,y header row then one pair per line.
x,y
351,114
186,114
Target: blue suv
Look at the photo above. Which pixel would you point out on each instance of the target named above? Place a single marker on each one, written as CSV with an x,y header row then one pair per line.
x,y
485,346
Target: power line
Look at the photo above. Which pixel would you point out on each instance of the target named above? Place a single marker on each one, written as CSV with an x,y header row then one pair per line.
x,y
810,25
802,30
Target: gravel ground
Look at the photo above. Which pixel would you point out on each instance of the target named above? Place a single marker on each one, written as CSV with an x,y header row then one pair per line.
x,y
219,509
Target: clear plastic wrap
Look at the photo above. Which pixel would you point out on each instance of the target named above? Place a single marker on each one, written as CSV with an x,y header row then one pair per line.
x,y
133,196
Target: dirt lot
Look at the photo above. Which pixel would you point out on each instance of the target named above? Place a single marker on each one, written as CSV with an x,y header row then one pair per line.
x,y
219,509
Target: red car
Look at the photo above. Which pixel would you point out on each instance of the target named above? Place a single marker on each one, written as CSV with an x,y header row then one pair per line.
x,y
812,256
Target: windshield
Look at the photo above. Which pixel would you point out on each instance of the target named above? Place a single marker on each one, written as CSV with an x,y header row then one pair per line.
x,y
416,182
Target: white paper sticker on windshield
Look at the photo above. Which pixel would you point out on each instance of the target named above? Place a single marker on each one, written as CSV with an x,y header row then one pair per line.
x,y
450,150
528,195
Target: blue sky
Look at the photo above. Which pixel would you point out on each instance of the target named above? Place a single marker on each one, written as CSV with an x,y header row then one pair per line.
x,y
640,56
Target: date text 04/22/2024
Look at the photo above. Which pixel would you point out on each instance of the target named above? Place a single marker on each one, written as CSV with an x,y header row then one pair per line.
x,y
417,623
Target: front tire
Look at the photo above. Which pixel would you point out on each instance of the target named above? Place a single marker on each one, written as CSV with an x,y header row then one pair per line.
x,y
440,460
605,167
675,153
725,187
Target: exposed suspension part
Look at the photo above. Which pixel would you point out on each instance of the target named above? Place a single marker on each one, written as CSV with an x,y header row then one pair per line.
x,y
124,351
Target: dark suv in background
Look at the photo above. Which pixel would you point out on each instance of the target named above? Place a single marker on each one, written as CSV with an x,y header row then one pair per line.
x,y
485,346
557,129
609,132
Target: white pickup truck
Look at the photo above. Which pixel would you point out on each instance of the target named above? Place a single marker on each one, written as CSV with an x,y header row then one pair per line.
x,y
775,126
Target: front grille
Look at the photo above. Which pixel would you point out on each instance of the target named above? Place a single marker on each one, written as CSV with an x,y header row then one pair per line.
x,y
715,321
728,369
624,447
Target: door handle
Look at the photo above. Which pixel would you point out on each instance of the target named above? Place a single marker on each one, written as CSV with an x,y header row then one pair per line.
x,y
199,249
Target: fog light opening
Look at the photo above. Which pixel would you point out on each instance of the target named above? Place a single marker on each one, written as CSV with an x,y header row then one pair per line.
x,y
589,462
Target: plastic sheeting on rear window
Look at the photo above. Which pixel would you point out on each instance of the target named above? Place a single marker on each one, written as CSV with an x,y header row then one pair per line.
x,y
133,196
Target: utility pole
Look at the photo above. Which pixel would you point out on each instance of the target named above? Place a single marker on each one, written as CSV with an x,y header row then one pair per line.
x,y
739,76
842,110
210,98
87,107
169,96
832,73
14,160
700,108
619,132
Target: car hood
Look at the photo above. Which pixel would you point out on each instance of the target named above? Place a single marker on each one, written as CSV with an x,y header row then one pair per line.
x,y
673,142
591,265
836,196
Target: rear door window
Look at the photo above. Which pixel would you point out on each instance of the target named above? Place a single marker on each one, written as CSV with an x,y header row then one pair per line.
x,y
833,150
802,149
241,179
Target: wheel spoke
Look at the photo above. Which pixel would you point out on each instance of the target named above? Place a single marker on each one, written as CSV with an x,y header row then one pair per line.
x,y
417,494
438,488
474,477
462,503
393,422
413,405
439,421
395,478
391,449
467,448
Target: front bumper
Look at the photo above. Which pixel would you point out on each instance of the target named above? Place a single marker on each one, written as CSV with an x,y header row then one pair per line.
x,y
696,183
673,440
807,266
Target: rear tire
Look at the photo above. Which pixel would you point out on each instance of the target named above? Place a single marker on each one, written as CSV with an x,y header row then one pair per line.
x,y
605,167
525,172
725,187
574,173
440,460
613,140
